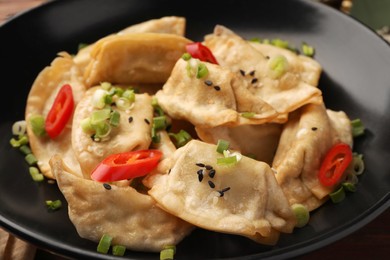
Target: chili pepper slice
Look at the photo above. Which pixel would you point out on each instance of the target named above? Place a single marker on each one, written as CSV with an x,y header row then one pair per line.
x,y
60,111
201,52
334,164
128,165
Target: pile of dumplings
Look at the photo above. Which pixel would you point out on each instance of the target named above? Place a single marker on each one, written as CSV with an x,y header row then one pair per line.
x,y
288,134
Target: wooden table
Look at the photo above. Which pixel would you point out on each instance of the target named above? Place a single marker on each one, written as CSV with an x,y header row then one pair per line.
x,y
370,242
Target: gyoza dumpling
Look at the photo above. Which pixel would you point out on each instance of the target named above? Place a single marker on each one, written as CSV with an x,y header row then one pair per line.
x,y
270,80
134,58
61,71
169,24
132,133
307,136
257,141
243,199
209,101
132,219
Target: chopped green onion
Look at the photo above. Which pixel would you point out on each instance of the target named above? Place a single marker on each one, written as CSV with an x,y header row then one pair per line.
x,y
19,127
99,116
186,56
349,186
156,138
278,66
222,145
36,175
118,250
202,71
307,49
248,114
22,140
53,204
255,39
280,43
86,125
168,253
338,195
105,85
25,149
302,215
358,128
181,138
99,98
115,118
82,46
159,122
357,165
123,103
37,123
31,159
227,161
103,130
129,94
104,244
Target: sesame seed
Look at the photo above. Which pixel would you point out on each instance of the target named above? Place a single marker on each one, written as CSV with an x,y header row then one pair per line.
x,y
200,176
252,73
217,88
130,119
211,184
208,82
225,189
242,72
212,173
208,167
147,121
254,80
221,193
107,186
314,128
199,164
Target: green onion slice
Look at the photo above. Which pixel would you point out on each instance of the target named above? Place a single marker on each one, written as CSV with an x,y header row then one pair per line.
x,y
248,114
227,161
302,214
53,204
168,253
19,128
307,49
31,159
338,195
278,66
37,123
181,138
222,145
104,244
202,71
35,174
358,128
118,250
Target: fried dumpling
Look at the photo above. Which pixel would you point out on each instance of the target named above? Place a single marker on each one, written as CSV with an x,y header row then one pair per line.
x,y
132,219
168,24
61,71
132,133
270,80
243,199
144,58
209,101
306,138
257,141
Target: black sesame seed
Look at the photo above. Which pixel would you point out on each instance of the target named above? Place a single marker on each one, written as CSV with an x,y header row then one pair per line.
x,y
107,186
200,164
252,73
217,88
254,80
200,177
130,119
212,173
208,167
242,72
225,189
211,184
169,171
221,193
208,82
147,121
314,128
200,171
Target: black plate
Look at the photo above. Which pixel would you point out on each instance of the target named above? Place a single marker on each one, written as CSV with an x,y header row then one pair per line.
x,y
356,79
